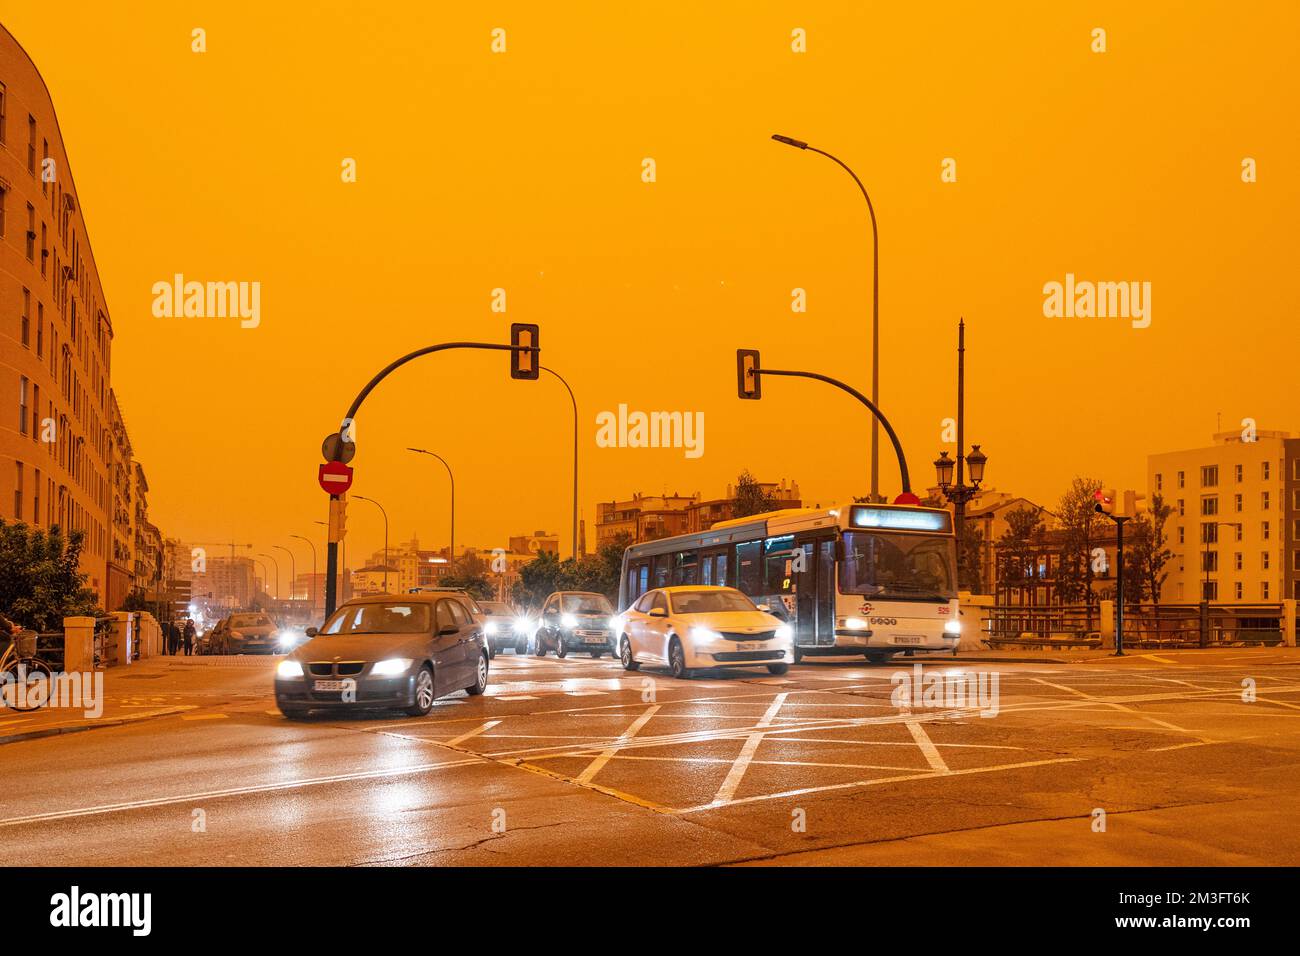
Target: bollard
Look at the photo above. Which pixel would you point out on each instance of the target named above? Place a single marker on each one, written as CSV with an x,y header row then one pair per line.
x,y
1108,624
1288,622
78,644
125,634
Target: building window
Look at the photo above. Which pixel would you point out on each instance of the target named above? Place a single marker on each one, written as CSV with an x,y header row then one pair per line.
x,y
1160,481
36,500
26,324
22,405
1209,590
4,100
1181,535
40,329
1295,469
1263,560
1263,590
1238,530
1236,590
1236,473
45,157
1236,502
1209,532
1181,479
1209,562
1209,476
18,492
1264,470
31,144
1210,505
1237,561
31,233
1180,507
1263,500
1263,530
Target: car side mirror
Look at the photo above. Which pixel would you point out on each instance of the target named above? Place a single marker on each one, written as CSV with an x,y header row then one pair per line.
x,y
765,608
658,612
311,631
448,629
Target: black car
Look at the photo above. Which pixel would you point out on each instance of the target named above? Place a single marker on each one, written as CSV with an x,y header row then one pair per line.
x,y
386,651
499,624
575,620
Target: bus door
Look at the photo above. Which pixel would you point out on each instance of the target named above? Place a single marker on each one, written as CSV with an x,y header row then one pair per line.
x,y
813,572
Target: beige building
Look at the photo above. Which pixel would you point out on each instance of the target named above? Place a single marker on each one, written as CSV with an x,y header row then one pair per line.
x,y
56,447
1235,525
649,517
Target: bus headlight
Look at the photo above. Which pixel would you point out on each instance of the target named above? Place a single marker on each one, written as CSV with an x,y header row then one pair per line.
x,y
952,627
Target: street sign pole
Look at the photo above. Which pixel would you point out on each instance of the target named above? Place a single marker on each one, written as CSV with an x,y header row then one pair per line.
x,y
331,572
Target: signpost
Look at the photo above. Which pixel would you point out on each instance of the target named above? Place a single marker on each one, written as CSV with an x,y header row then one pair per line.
x,y
335,477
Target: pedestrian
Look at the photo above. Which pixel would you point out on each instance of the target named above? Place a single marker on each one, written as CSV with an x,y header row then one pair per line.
x,y
188,634
173,638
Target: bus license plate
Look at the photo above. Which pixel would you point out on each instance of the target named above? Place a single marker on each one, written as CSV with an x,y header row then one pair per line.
x,y
907,638
331,685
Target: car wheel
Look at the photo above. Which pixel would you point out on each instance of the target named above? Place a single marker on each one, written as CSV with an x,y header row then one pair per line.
x,y
625,655
595,655
677,661
480,677
293,713
521,647
797,654
422,702
560,649
778,668
539,645
492,650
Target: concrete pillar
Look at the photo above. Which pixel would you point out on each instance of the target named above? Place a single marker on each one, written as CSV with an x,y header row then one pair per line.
x,y
124,633
1288,622
78,644
1108,624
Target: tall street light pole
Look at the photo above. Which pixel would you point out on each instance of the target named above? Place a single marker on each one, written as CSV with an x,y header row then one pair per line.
x,y
293,569
385,514
959,494
575,455
452,478
875,305
311,544
276,563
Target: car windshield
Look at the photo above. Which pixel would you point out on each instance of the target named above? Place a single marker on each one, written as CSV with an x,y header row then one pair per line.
x,y
249,620
388,617
903,567
710,602
494,607
587,604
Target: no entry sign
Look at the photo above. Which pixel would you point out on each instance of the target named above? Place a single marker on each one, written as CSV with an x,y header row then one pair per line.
x,y
335,477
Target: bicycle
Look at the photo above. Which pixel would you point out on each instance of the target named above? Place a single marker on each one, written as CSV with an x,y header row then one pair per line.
x,y
25,679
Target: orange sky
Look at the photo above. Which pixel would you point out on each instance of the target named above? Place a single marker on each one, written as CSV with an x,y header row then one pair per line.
x,y
522,170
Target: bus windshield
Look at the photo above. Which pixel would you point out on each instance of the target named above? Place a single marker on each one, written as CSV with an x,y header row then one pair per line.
x,y
903,567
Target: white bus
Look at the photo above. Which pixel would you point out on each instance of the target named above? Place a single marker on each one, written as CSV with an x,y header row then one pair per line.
x,y
870,579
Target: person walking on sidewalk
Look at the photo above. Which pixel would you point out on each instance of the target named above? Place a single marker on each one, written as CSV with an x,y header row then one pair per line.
x,y
173,638
188,636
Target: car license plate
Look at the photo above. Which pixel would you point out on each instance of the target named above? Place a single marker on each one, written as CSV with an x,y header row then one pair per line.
x,y
331,685
595,640
907,638
750,645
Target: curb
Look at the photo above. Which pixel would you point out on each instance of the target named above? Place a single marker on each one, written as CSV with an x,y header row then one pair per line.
x,y
89,725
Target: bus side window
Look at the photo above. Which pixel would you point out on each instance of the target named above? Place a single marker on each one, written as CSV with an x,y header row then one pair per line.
x,y
720,570
662,568
749,567
644,578
706,570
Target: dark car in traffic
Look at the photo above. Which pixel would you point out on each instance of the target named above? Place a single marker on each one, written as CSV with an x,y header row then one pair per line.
x,y
575,620
386,651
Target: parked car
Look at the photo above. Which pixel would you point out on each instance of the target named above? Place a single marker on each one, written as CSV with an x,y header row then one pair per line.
x,y
499,626
249,632
701,627
386,651
575,620
214,641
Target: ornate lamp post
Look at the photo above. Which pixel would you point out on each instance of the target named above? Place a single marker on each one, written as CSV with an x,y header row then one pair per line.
x,y
958,493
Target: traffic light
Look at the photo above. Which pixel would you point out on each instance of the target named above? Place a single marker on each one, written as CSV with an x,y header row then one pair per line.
x,y
1104,501
338,526
748,381
524,350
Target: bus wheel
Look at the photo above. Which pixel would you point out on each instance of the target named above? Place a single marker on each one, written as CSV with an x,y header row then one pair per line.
x,y
778,668
877,657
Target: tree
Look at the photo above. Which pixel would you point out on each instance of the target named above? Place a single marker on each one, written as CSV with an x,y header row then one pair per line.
x,y
546,574
1017,547
970,568
41,581
1150,556
750,498
538,579
1080,531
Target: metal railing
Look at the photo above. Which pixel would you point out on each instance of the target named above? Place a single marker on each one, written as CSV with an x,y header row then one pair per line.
x,y
1145,625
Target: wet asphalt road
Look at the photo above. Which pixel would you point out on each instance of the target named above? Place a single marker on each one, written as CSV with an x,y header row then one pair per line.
x,y
1164,758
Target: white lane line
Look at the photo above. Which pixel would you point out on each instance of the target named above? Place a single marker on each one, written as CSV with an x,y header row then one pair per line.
x,y
239,791
1121,707
472,733
923,741
593,768
727,791
517,697
204,716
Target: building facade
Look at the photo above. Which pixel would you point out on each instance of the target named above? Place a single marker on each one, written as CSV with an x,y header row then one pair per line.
x,y
56,445
650,517
1235,525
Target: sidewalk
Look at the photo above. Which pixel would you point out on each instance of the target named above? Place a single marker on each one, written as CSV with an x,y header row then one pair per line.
x,y
147,690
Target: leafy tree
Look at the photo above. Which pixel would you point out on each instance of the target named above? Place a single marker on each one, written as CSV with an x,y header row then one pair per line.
x,y
546,573
1150,556
1018,546
41,581
1081,528
970,567
477,585
750,498
538,579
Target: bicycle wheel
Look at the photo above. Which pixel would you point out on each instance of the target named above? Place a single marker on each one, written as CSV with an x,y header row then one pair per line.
x,y
26,684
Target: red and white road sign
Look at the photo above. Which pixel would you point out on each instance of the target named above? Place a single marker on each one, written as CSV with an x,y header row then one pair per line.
x,y
335,477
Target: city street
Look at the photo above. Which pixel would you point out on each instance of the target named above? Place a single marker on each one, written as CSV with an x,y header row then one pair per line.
x,y
575,762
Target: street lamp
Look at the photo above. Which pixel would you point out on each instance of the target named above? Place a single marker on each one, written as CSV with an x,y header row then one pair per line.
x,y
452,478
271,558
293,571
575,455
958,493
875,305
385,514
311,544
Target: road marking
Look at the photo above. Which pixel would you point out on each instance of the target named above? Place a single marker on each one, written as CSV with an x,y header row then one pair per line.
x,y
1117,706
923,741
1157,657
204,716
517,697
593,768
585,693
473,733
737,772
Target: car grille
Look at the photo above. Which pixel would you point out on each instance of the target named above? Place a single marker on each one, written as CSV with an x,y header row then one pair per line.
x,y
759,636
750,656
339,669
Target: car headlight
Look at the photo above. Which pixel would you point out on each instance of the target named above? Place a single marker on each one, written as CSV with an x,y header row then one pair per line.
x,y
952,627
392,667
288,669
613,624
490,627
705,634
521,625
286,638
784,632
568,620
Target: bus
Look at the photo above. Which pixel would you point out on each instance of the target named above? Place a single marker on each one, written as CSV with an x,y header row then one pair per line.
x,y
869,579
